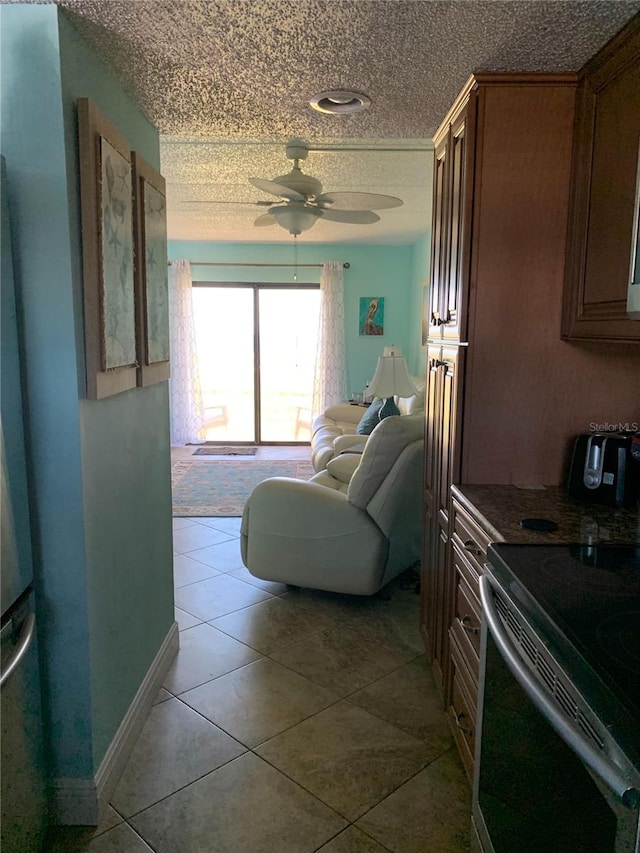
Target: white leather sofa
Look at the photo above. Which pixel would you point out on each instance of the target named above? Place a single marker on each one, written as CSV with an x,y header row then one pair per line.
x,y
334,431
350,531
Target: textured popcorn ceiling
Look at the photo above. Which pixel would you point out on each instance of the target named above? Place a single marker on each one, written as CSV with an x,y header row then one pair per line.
x,y
227,82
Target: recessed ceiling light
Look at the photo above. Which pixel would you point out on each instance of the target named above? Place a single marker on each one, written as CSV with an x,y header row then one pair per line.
x,y
339,102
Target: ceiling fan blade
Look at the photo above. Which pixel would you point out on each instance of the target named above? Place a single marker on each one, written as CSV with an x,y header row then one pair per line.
x,y
358,201
221,201
264,220
276,189
351,217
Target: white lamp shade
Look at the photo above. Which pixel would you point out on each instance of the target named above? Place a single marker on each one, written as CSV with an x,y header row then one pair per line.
x,y
391,378
294,217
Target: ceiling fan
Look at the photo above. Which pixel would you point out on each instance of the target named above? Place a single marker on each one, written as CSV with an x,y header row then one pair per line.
x,y
302,202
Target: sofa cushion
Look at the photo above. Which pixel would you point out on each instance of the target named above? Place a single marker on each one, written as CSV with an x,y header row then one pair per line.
x,y
384,446
342,467
370,420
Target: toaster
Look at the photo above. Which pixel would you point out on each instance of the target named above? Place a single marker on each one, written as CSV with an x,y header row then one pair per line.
x,y
605,468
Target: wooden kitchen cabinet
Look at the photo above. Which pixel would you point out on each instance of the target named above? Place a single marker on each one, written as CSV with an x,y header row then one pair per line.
x,y
443,369
468,553
607,143
450,218
505,395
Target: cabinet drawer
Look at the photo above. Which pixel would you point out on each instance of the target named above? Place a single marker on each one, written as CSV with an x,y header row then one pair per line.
x,y
462,710
472,539
466,626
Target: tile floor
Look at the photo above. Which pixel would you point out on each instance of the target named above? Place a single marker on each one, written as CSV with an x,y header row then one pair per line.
x,y
291,721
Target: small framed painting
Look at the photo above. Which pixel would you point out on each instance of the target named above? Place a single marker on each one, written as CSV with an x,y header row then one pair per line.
x,y
107,255
371,315
151,272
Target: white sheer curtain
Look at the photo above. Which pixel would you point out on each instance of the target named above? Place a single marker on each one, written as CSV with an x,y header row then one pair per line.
x,y
185,395
330,379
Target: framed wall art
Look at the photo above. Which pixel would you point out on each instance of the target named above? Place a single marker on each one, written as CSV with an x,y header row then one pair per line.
x,y
151,272
371,315
107,254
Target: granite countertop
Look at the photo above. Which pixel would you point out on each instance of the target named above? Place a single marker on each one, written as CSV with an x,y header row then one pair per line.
x,y
499,509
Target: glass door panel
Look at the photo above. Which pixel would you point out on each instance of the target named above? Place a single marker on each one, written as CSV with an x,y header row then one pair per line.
x,y
224,328
288,327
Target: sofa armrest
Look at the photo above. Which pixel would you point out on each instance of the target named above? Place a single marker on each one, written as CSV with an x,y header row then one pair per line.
x,y
345,413
296,523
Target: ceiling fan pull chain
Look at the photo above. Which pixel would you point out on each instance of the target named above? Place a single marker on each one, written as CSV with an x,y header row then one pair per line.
x,y
295,257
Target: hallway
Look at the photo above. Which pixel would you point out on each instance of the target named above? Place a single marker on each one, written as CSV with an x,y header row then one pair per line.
x,y
291,721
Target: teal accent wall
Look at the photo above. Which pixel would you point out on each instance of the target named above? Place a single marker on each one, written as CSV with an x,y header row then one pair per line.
x,y
99,470
387,271
420,300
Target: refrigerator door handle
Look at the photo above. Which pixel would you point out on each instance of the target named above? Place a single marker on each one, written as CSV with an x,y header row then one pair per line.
x,y
26,636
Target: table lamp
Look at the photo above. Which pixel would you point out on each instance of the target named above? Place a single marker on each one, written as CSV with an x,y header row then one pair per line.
x,y
390,379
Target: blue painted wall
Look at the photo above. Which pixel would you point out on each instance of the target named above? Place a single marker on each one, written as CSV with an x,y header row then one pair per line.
x,y
99,470
388,271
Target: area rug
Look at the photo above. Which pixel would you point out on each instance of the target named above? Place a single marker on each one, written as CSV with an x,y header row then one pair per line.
x,y
218,488
208,450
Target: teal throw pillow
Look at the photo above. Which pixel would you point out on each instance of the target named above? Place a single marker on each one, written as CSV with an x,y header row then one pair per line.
x,y
370,419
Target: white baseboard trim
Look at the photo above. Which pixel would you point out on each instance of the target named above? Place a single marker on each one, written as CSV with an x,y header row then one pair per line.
x,y
81,801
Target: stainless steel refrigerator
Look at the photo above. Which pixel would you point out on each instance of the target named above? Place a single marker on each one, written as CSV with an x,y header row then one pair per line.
x,y
23,800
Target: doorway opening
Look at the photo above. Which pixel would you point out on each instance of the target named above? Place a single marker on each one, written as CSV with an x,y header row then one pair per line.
x,y
256,348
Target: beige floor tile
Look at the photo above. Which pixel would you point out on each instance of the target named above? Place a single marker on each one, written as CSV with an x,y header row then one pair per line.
x,y
431,813
176,747
225,557
420,711
181,523
271,624
214,597
346,757
81,839
352,840
185,620
244,807
341,660
186,570
196,537
273,587
205,653
258,701
395,622
162,696
230,524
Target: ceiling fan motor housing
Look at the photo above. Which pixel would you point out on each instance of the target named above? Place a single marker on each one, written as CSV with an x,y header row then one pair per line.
x,y
301,183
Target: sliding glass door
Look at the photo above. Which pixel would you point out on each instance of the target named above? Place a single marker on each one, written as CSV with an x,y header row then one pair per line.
x,y
256,351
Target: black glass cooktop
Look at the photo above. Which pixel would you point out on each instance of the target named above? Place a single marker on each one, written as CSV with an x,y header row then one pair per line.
x,y
591,595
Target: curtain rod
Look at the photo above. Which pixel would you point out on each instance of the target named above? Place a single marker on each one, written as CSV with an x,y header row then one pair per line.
x,y
346,265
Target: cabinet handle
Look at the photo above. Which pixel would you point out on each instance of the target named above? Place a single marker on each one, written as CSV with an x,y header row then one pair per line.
x,y
467,624
472,548
465,729
438,363
436,320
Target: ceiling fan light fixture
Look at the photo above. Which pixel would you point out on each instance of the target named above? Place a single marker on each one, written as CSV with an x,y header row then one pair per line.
x,y
339,102
294,218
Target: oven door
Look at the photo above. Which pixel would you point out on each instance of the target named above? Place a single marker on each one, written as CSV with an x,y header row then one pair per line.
x,y
540,785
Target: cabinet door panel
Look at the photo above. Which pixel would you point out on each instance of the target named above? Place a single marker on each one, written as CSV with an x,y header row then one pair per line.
x,y
605,159
453,286
439,240
432,427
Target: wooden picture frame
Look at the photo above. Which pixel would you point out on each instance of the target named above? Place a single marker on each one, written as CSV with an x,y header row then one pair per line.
x,y
151,273
107,255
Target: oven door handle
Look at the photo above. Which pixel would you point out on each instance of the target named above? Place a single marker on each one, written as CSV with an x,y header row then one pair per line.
x,y
606,770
